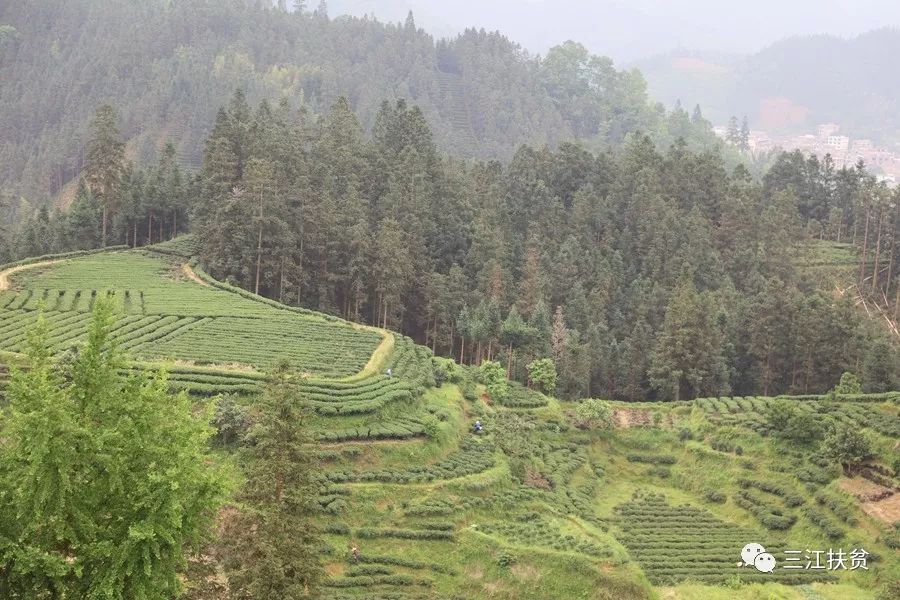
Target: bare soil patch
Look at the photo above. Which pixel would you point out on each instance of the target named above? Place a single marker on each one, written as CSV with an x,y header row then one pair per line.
x,y
886,510
525,572
865,490
632,417
875,500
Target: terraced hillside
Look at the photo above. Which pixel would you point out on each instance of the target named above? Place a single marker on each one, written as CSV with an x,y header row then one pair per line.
x,y
535,507
168,315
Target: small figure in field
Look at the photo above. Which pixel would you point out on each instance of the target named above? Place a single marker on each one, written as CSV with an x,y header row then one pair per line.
x,y
477,428
390,372
354,554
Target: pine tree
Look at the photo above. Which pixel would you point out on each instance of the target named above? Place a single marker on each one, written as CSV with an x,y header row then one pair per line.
x,y
540,322
463,326
697,115
744,141
558,334
392,271
260,192
733,135
532,283
105,163
514,334
688,359
273,543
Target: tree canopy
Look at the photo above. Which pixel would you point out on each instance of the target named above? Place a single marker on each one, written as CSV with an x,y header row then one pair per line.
x,y
105,480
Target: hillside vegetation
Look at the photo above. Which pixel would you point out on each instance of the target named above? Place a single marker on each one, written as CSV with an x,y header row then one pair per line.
x,y
169,65
165,314
655,502
644,274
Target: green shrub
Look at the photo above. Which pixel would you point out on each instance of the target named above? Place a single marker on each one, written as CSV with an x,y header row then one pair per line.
x,y
542,374
714,496
594,414
493,376
662,472
337,529
891,539
431,426
822,522
652,459
506,559
770,518
409,534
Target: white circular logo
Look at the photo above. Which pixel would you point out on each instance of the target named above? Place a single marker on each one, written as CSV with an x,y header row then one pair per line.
x,y
764,563
750,552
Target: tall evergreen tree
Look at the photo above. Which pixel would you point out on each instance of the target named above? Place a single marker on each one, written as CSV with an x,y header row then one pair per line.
x,y
272,542
105,163
688,359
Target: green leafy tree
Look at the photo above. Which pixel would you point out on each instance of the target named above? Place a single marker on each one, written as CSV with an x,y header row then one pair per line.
x,y
594,414
105,480
542,375
493,376
791,423
848,446
849,384
272,541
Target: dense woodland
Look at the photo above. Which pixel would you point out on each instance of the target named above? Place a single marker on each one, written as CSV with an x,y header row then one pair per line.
x,y
168,65
638,258
643,274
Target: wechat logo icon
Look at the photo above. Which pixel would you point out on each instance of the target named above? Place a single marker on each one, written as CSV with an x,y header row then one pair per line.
x,y
756,556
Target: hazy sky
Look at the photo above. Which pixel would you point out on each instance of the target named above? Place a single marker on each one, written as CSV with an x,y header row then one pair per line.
x,y
634,29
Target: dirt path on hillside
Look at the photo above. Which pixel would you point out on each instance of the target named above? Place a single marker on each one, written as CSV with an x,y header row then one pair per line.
x,y
875,500
4,275
189,273
368,441
381,354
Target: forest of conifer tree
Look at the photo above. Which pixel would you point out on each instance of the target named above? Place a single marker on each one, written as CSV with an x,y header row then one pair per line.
x,y
639,258
643,274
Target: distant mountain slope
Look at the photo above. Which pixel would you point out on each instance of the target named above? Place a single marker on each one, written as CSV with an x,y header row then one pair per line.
x,y
168,65
794,84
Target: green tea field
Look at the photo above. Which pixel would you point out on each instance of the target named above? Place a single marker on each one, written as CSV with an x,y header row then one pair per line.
x,y
167,312
538,506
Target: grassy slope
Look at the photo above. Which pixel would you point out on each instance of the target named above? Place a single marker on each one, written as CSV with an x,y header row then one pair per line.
x,y
510,540
218,326
544,568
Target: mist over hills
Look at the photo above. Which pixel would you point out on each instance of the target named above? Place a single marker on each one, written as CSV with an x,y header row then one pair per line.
x,y
792,85
633,30
166,66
